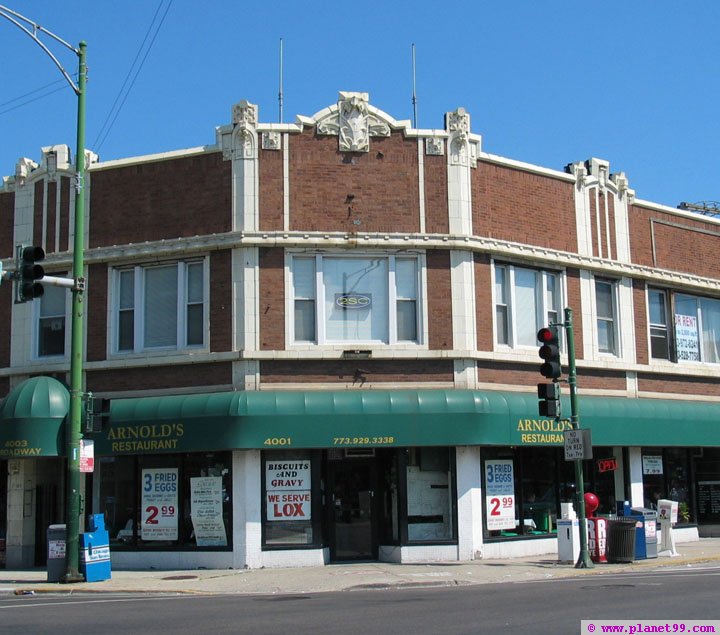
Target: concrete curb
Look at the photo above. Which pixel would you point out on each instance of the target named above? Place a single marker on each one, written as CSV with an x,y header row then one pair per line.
x,y
325,580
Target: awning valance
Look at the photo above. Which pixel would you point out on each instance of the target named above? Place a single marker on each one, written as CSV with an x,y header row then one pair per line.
x,y
406,418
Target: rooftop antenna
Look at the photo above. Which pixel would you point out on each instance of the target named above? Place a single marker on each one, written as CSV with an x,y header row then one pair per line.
x,y
280,90
414,98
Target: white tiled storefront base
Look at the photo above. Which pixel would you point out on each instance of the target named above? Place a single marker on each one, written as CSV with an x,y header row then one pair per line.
x,y
171,560
520,548
684,534
424,553
295,558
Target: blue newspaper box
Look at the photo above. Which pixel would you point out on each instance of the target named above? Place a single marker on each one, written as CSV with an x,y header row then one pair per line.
x,y
95,551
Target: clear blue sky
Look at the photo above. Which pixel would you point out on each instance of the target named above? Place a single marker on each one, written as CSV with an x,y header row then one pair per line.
x,y
545,82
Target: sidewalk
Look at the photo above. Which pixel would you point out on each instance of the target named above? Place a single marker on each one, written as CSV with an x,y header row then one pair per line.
x,y
346,577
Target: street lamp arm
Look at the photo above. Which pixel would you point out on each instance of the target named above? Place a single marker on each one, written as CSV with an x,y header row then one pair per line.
x,y
10,15
73,431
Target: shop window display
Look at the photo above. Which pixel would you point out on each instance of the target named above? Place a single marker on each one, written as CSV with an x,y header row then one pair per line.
x,y
288,518
666,475
167,501
541,479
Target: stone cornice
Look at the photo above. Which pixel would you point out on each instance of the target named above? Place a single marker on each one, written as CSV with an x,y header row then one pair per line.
x,y
154,250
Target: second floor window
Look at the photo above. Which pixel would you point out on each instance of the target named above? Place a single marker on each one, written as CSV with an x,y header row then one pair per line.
x,y
160,307
526,300
697,329
369,299
51,322
659,324
605,306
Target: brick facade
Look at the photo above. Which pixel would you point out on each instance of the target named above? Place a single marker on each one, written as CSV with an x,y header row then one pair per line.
x,y
521,207
155,200
182,205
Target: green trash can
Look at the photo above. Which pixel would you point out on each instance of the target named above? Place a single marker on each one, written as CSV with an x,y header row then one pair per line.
x,y
621,540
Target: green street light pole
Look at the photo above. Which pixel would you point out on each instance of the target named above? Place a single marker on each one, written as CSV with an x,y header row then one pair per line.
x,y
584,561
73,432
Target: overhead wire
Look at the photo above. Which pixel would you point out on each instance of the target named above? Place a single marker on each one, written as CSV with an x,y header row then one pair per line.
x,y
4,110
116,108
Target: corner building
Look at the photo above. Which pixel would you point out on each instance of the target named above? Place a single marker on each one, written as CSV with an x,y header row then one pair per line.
x,y
318,344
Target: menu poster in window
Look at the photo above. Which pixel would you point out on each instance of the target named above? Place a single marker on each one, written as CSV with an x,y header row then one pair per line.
x,y
206,511
652,464
499,495
288,490
686,338
159,517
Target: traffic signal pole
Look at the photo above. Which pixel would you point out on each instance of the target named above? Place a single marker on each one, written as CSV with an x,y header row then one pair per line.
x,y
73,434
73,431
584,561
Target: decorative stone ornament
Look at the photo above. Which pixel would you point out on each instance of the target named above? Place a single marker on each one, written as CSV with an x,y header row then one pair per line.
x,y
458,125
271,141
353,122
244,118
434,146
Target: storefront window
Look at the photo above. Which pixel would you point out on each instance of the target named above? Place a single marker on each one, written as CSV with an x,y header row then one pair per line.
x,y
288,498
666,474
521,491
430,501
171,501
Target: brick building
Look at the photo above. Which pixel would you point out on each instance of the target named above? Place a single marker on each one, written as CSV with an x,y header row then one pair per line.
x,y
318,340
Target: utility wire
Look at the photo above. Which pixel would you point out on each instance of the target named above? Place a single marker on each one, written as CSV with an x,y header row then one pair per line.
x,y
29,101
111,118
32,92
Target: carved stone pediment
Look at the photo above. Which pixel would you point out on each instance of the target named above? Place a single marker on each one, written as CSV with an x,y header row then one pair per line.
x,y
353,122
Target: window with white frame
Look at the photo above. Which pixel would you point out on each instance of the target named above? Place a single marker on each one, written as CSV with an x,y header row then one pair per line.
x,y
359,299
697,328
660,342
606,312
51,322
525,301
159,307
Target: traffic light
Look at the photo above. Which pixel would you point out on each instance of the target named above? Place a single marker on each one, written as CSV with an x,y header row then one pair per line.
x,y
27,273
98,415
549,396
550,352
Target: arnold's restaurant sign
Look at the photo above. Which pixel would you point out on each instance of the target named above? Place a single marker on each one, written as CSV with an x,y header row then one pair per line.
x,y
541,431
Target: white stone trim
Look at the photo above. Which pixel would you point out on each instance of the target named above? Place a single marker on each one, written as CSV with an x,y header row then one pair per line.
x,y
245,299
152,158
637,497
469,502
387,242
421,185
286,182
525,167
462,293
458,175
587,304
625,327
247,517
622,229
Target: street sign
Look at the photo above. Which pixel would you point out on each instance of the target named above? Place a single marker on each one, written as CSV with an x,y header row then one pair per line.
x,y
578,445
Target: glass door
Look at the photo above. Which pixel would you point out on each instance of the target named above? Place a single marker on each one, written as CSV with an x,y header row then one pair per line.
x,y
353,487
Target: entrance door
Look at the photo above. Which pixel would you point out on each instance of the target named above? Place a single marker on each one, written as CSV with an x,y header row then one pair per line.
x,y
353,486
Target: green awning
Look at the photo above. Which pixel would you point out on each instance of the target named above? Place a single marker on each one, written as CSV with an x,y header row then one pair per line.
x,y
31,419
381,418
307,419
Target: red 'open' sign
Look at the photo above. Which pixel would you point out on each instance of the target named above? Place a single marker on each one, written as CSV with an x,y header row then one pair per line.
x,y
607,465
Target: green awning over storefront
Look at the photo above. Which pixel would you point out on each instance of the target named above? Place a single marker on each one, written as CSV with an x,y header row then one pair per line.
x,y
272,420
31,419
385,418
